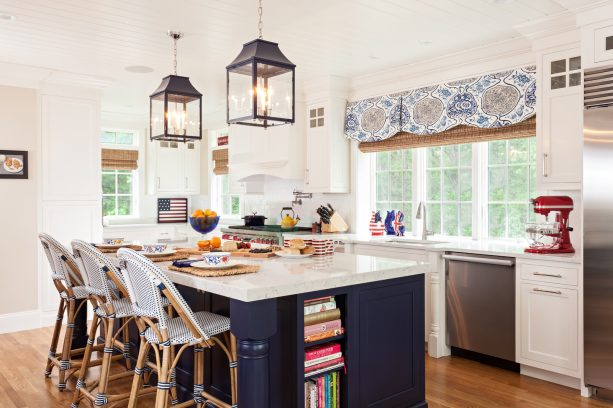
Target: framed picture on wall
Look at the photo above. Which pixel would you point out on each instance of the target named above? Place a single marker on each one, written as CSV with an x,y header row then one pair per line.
x,y
13,164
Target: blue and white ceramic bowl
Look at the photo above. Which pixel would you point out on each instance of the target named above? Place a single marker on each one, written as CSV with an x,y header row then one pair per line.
x,y
154,248
216,258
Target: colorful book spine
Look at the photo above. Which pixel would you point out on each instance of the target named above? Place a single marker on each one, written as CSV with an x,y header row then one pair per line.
x,y
307,394
320,360
324,370
320,392
322,327
319,300
334,386
321,317
321,351
319,307
323,335
313,394
325,364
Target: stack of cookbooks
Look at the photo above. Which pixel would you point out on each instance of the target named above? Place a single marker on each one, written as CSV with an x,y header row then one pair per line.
x,y
323,392
320,359
322,319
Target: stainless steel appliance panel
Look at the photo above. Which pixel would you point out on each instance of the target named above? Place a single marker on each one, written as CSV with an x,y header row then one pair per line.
x,y
598,245
480,304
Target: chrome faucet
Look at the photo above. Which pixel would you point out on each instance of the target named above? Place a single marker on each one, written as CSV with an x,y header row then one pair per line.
x,y
421,215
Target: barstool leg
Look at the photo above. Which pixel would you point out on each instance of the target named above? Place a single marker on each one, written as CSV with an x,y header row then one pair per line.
x,y
161,398
54,339
138,372
126,343
198,376
234,369
65,360
101,397
85,362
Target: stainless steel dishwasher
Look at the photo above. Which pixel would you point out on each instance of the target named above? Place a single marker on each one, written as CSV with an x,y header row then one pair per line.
x,y
480,304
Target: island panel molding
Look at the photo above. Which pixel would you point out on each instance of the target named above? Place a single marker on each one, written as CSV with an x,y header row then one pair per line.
x,y
489,101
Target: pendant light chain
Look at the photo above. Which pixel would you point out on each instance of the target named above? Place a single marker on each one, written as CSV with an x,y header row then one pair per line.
x,y
260,24
174,38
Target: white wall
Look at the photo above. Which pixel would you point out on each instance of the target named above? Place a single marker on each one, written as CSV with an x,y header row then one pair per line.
x,y
18,203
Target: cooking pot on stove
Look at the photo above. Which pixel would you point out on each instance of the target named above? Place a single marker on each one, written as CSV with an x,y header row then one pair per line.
x,y
254,220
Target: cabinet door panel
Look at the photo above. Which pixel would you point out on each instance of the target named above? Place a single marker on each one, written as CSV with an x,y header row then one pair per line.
x,y
565,130
192,167
169,169
391,340
549,325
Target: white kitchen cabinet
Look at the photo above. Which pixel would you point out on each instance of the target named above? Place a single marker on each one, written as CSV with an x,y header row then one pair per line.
x,y
560,121
173,168
327,167
548,328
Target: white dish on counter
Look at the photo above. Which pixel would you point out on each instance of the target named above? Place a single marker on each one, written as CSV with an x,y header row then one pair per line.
x,y
290,256
205,265
113,246
167,252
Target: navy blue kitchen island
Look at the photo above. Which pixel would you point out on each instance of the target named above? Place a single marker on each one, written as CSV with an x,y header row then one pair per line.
x,y
381,302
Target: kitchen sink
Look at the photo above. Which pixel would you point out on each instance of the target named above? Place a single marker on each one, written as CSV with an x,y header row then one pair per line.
x,y
409,241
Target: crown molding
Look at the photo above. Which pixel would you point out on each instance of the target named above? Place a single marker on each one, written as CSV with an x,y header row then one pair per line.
x,y
600,11
548,26
481,60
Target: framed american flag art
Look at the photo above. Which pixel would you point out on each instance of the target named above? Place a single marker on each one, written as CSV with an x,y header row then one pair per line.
x,y
172,210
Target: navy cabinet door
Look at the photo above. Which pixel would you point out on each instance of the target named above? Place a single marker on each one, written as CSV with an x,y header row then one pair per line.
x,y
391,345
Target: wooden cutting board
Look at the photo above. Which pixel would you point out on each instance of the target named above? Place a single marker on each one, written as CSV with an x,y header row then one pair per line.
x,y
239,254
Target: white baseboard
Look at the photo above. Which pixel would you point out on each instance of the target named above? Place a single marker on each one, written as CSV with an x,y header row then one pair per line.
x,y
27,320
556,378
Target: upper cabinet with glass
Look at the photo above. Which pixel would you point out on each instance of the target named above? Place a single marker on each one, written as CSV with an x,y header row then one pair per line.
x,y
564,73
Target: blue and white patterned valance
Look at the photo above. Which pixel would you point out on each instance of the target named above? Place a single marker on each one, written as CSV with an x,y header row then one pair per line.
x,y
489,101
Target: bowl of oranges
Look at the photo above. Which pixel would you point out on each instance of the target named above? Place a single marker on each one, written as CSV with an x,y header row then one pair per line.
x,y
204,221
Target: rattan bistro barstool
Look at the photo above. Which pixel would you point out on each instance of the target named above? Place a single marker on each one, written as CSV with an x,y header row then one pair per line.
x,y
146,285
69,283
109,299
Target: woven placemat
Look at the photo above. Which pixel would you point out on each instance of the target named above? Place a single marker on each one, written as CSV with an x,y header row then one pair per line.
x,y
173,257
114,250
212,273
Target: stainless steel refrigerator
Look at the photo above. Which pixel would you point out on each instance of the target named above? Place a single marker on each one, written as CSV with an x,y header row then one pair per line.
x,y
598,226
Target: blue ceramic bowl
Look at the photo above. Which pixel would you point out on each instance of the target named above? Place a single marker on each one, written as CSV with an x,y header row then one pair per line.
x,y
204,225
216,258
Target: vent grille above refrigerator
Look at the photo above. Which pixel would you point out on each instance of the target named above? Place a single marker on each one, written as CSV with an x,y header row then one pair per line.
x,y
598,87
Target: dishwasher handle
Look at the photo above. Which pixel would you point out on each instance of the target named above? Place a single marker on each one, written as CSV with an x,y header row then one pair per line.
x,y
475,259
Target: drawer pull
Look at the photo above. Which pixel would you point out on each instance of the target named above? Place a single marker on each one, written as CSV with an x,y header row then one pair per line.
x,y
555,292
551,275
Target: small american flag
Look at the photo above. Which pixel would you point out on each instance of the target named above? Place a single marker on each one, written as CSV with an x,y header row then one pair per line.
x,y
172,210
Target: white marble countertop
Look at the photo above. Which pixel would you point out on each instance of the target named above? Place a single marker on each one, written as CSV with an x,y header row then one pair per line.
x,y
283,277
482,247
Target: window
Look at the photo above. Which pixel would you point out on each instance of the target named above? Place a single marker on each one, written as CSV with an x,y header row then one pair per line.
x,y
449,189
316,117
117,192
470,190
394,183
511,175
118,138
227,204
119,186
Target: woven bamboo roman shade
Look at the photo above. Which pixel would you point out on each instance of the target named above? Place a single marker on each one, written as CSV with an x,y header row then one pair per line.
x,y
457,135
116,159
220,156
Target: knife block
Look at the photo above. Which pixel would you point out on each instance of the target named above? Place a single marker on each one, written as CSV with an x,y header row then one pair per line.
x,y
337,224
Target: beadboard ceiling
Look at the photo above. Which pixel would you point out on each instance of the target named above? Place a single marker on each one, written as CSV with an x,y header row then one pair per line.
x,y
323,37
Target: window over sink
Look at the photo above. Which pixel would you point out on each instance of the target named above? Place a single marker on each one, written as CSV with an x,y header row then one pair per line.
x,y
478,190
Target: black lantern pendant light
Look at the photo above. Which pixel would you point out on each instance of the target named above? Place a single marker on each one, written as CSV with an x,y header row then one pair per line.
x,y
175,107
261,84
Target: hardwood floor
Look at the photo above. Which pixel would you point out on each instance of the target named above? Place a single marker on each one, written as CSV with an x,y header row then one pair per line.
x,y
450,382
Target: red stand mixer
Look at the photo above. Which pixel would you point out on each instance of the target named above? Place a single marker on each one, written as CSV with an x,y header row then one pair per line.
x,y
558,230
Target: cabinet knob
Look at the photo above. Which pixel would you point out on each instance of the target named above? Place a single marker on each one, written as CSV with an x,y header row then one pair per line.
x,y
545,157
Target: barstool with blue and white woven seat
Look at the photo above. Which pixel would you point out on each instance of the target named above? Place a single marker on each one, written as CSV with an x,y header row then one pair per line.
x,y
109,306
146,284
69,283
